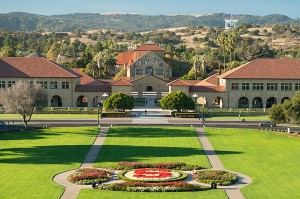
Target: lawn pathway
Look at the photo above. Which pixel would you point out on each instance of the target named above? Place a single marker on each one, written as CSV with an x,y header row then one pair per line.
x,y
72,190
233,191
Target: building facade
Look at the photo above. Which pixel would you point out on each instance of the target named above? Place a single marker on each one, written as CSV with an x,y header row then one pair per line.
x,y
257,84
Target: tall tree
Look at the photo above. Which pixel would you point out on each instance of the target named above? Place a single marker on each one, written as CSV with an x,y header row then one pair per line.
x,y
177,101
197,60
222,41
24,98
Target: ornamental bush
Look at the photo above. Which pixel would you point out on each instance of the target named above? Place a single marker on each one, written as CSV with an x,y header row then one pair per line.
x,y
168,165
86,176
153,187
220,177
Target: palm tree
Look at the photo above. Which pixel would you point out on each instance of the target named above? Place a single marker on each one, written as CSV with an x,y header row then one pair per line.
x,y
109,63
99,58
197,60
222,41
231,43
203,60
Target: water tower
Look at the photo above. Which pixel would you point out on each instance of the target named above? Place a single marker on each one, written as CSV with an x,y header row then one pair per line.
x,y
231,23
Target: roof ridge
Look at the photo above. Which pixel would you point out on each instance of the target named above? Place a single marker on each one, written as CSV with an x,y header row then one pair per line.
x,y
60,66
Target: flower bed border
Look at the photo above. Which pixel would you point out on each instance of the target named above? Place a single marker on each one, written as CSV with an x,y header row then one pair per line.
x,y
88,180
230,180
153,187
182,177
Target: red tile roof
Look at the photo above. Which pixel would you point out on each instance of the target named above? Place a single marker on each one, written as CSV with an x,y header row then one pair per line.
x,y
178,82
89,84
125,58
149,46
266,69
35,67
207,89
121,82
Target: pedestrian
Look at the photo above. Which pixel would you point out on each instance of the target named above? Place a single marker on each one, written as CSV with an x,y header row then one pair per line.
x,y
145,112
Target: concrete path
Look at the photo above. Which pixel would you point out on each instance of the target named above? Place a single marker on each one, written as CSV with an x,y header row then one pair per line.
x,y
233,191
72,190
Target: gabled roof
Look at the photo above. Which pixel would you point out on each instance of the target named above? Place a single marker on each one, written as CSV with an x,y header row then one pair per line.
x,y
121,82
35,67
89,84
149,46
266,69
148,75
178,82
35,54
125,58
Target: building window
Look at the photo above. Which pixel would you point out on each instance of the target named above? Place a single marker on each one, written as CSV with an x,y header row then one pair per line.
x,y
65,85
286,86
43,84
11,83
138,71
258,86
297,86
159,71
53,85
2,84
272,86
234,86
245,86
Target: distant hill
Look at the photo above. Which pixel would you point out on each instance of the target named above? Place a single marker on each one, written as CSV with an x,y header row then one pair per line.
x,y
126,22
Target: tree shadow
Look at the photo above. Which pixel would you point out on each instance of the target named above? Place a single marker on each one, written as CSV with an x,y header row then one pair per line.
x,y
150,132
116,153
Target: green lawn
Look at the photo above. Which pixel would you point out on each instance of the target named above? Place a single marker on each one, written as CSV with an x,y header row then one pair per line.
x,y
271,159
152,144
237,118
29,160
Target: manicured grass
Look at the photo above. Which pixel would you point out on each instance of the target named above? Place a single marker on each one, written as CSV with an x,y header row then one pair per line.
x,y
271,159
29,160
49,116
152,144
95,194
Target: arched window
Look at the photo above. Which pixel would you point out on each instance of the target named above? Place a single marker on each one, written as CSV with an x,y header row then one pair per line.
x,y
257,102
56,101
82,101
270,102
149,70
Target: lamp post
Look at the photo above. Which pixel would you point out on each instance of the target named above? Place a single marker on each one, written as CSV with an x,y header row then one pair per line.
x,y
104,97
195,96
98,105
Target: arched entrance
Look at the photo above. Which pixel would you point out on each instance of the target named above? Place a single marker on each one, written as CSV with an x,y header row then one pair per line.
x,y
217,103
257,102
243,102
82,101
56,101
202,100
285,98
96,101
149,70
270,102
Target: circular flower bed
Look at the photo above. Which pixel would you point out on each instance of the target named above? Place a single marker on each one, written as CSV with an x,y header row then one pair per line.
x,y
220,177
87,176
152,175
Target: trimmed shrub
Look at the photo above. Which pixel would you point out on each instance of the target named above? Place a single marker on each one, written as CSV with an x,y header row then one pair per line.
x,y
153,187
220,177
168,165
86,176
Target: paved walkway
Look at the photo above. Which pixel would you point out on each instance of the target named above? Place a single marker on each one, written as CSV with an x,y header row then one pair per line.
x,y
72,190
233,191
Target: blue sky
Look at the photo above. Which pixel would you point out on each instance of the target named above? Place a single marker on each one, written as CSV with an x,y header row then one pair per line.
x,y
154,7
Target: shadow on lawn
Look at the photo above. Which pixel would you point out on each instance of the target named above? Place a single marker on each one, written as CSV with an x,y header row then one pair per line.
x,y
39,134
55,154
116,153
151,132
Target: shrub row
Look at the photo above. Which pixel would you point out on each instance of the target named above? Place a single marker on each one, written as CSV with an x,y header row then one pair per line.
x,y
220,177
153,187
86,176
182,176
114,114
280,130
168,165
